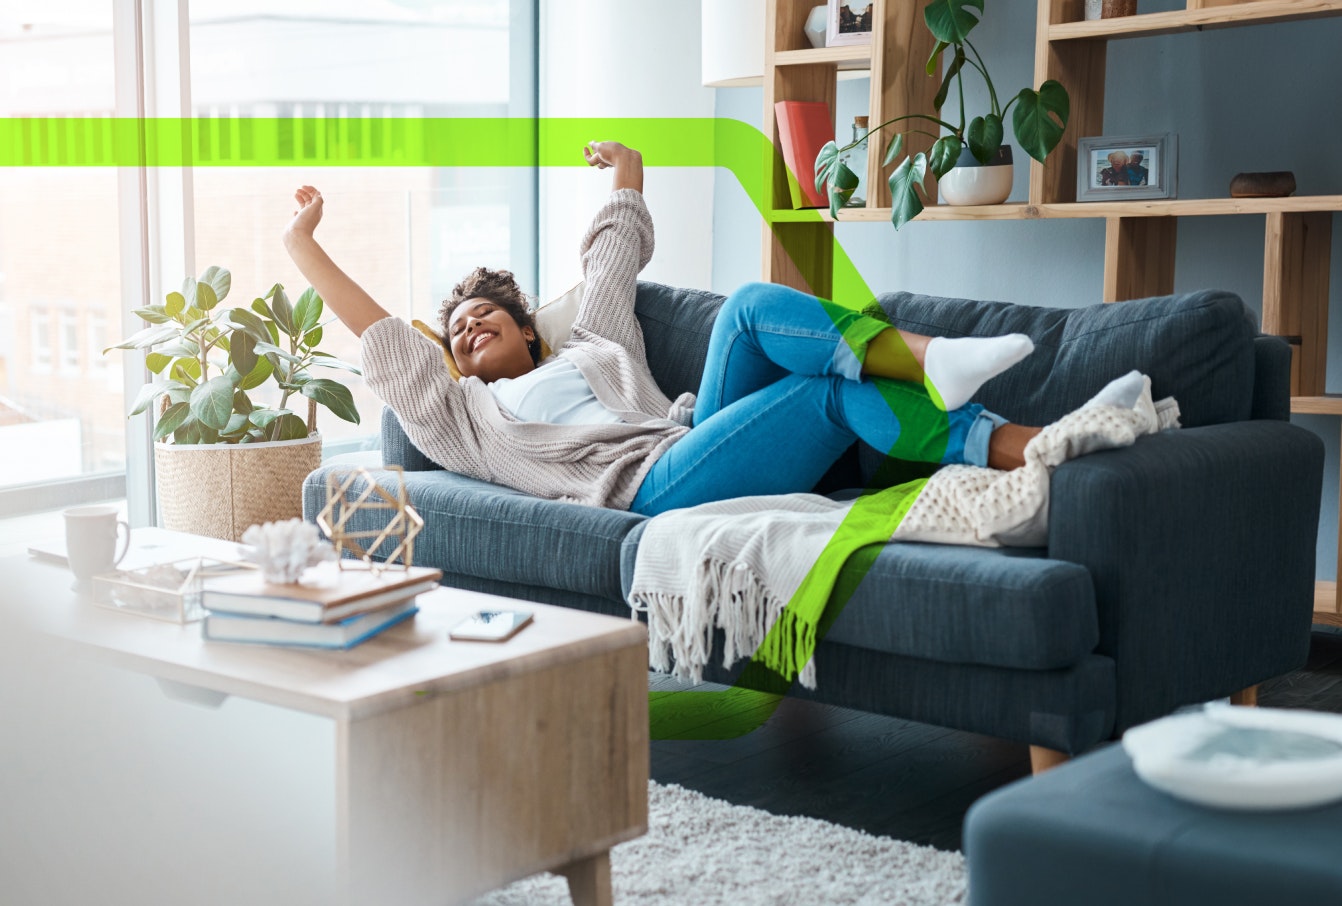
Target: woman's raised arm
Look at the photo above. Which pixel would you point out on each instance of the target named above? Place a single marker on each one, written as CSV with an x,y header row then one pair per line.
x,y
354,307
627,162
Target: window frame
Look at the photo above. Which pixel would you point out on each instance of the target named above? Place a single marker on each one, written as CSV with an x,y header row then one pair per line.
x,y
156,216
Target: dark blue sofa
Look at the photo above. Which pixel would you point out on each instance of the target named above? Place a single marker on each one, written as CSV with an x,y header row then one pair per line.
x,y
1178,570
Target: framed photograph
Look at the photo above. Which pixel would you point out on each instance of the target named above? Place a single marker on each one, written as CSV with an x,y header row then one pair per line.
x,y
1129,167
850,22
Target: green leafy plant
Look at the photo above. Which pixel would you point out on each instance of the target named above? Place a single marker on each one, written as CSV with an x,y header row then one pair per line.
x,y
1038,120
208,359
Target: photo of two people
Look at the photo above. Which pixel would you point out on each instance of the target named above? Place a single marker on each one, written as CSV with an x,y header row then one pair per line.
x,y
1123,167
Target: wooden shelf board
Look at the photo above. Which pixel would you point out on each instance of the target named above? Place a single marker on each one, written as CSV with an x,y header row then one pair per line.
x,y
848,54
1186,20
1317,405
1190,207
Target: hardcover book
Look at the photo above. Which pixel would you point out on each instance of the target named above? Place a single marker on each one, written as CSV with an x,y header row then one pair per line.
x,y
803,129
228,627
327,593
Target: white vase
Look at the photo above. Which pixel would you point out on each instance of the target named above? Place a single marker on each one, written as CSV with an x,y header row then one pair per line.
x,y
815,25
970,182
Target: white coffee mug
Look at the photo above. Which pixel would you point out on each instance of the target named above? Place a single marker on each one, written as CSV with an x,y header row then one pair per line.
x,y
91,540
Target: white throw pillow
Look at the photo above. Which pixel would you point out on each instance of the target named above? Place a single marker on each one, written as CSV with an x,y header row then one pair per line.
x,y
554,319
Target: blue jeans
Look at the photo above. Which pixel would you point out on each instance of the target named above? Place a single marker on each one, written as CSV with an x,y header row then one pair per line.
x,y
783,396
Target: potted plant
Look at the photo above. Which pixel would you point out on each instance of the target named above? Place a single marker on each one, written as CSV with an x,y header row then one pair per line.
x,y
1038,121
223,460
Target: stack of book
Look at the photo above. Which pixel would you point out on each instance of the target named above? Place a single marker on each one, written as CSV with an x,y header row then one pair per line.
x,y
330,608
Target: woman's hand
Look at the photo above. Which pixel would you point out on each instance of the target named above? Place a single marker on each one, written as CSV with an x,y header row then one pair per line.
x,y
354,307
309,212
627,162
606,154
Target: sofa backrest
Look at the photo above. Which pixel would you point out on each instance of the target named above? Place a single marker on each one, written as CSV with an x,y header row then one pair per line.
x,y
1197,347
676,325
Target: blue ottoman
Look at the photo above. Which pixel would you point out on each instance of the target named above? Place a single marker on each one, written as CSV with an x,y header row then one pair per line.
x,y
1091,832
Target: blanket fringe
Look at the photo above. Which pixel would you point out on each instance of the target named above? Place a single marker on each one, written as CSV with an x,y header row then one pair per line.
x,y
755,623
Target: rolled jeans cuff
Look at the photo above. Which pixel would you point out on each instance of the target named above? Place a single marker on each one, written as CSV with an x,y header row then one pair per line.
x,y
980,433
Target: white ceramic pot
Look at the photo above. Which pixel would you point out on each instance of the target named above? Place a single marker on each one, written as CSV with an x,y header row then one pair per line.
x,y
970,182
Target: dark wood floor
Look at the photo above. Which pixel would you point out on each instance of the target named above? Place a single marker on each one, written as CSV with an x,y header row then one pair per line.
x,y
896,778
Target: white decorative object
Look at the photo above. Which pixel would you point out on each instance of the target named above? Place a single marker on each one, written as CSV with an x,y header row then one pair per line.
x,y
816,24
284,550
1242,758
1094,9
731,43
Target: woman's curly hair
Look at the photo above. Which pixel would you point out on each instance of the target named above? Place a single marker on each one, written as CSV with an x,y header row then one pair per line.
x,y
499,287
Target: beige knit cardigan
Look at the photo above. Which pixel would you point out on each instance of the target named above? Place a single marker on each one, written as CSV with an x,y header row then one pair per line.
x,y
460,425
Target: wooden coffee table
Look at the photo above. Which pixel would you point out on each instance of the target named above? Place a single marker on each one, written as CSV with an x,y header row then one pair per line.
x,y
459,766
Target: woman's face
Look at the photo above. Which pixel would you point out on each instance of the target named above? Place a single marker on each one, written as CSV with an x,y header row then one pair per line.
x,y
487,343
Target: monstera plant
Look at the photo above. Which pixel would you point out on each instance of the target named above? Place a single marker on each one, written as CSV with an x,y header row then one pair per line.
x,y
1038,119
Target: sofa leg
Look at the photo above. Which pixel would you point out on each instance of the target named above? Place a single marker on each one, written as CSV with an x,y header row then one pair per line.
x,y
1246,697
1041,759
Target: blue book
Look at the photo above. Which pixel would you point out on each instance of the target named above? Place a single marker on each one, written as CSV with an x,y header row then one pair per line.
x,y
227,627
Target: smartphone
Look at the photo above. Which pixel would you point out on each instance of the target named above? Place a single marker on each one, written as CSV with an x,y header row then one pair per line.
x,y
490,625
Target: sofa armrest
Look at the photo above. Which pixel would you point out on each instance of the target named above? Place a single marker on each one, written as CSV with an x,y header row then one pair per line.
x,y
1201,544
397,450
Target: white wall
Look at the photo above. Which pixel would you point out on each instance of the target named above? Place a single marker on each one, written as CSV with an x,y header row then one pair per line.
x,y
636,58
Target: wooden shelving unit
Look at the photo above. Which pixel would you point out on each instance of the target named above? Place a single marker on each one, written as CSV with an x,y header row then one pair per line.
x,y
1140,236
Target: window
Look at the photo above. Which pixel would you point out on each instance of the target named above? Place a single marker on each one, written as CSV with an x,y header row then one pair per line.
x,y
59,249
39,342
343,77
343,71
69,343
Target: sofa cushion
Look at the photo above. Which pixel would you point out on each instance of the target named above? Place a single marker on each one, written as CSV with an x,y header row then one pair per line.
x,y
1011,608
1197,347
676,325
480,529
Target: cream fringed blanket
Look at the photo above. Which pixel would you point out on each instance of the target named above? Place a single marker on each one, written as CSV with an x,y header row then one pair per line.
x,y
762,568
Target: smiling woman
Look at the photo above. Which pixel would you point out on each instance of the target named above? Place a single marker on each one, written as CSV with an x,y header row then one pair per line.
x,y
487,306
589,424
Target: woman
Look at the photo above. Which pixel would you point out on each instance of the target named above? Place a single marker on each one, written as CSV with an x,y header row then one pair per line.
x,y
790,381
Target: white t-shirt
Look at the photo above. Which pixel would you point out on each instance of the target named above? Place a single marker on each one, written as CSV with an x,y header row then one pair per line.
x,y
555,393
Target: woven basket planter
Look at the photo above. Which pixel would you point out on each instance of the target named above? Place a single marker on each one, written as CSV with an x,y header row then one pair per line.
x,y
220,490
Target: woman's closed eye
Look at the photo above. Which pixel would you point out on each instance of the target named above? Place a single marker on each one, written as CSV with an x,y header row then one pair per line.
x,y
477,312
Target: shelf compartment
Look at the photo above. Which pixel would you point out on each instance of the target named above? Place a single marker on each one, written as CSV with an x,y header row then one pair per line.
x,y
1186,20
1081,210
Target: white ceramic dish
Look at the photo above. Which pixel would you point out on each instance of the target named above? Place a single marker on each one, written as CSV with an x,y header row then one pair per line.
x,y
1242,758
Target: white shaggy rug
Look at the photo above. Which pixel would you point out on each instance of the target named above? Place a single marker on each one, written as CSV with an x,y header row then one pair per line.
x,y
704,851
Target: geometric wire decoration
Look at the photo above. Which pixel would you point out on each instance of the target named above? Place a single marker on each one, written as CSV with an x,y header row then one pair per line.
x,y
401,528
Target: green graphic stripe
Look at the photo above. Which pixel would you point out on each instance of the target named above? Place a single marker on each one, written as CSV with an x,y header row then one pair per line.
x,y
532,142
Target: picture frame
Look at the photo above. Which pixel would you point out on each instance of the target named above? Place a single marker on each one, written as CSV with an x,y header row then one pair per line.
x,y
850,22
1127,167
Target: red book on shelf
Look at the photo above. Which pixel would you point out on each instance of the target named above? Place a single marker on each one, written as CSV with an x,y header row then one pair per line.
x,y
803,129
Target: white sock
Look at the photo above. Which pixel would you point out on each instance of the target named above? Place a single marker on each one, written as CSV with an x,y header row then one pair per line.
x,y
955,368
1133,391
1123,392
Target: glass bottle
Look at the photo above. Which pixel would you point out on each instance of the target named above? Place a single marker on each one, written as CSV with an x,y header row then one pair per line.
x,y
856,160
